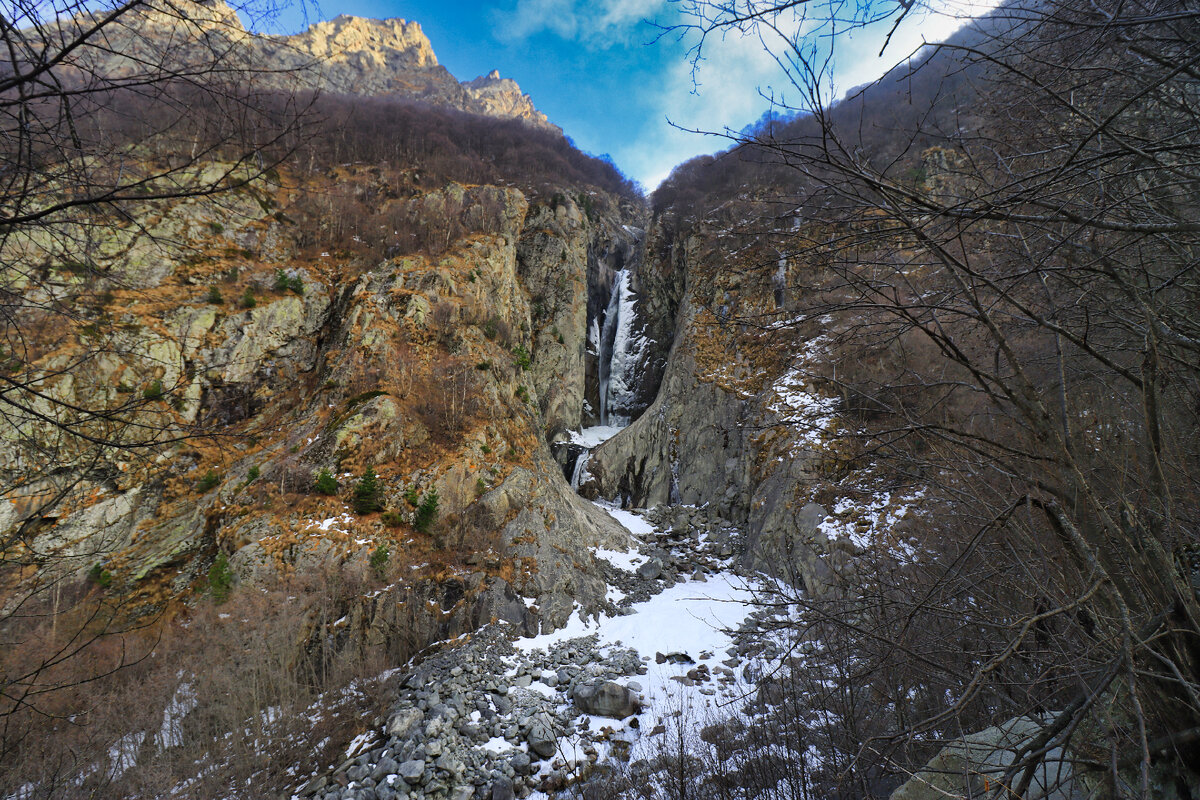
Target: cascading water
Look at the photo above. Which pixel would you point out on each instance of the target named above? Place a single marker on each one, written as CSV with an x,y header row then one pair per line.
x,y
620,351
580,469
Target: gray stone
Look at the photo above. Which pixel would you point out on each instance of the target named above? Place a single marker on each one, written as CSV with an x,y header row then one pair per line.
x,y
386,766
606,699
651,569
412,771
977,762
404,724
520,763
450,764
541,738
502,789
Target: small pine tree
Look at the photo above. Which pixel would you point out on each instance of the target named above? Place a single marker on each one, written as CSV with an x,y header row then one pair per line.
x,y
220,579
214,296
412,496
379,560
208,481
100,576
325,483
521,357
368,494
426,511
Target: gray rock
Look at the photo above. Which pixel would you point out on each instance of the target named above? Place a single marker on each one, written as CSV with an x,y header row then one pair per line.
x,y
502,789
541,738
404,724
412,771
520,763
651,569
606,699
450,764
963,767
386,766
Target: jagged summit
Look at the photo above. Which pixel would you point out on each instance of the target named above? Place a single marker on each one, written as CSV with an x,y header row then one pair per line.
x,y
384,43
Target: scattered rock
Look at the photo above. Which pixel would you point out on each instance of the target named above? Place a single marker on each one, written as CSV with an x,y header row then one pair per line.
x,y
405,723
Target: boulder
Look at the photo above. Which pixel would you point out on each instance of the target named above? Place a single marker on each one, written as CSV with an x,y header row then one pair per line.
x,y
386,766
412,771
520,763
541,738
502,789
972,765
606,699
650,570
404,724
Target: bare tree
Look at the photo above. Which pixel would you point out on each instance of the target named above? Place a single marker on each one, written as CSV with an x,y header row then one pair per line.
x,y
1009,276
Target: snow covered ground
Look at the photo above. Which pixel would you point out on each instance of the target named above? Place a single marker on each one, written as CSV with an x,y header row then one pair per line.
x,y
685,627
595,435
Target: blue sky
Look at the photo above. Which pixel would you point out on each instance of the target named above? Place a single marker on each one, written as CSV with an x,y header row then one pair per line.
x,y
597,68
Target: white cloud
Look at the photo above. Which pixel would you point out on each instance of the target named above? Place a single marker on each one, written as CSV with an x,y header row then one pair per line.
x,y
595,23
737,71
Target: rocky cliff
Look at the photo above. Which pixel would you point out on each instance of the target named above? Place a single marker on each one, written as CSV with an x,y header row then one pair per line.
x,y
444,375
741,421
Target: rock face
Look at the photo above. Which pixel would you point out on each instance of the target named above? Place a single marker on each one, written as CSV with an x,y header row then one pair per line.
x,y
444,374
976,764
733,426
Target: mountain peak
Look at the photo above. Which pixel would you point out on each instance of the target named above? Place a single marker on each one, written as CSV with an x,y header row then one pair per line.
x,y
386,42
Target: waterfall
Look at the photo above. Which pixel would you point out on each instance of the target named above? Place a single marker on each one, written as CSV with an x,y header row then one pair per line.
x,y
620,352
607,334
580,469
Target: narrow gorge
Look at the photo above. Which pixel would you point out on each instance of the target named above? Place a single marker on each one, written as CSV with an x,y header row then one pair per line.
x,y
362,438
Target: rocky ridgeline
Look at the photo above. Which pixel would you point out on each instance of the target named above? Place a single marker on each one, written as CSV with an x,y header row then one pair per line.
x,y
345,55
